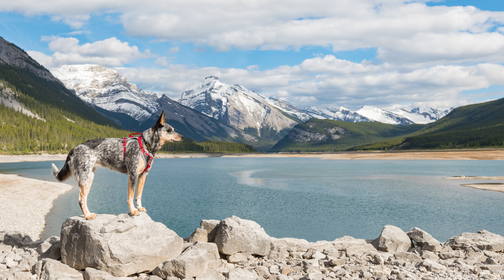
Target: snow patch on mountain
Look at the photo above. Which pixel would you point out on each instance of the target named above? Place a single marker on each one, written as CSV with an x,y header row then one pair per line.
x,y
289,108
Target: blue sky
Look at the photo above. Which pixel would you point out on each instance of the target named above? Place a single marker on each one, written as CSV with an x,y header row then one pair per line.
x,y
350,53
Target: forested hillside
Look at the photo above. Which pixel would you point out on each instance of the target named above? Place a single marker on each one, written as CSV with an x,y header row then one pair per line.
x,y
191,146
330,135
58,131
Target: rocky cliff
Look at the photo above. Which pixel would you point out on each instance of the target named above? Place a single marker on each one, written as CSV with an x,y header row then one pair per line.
x,y
137,248
12,55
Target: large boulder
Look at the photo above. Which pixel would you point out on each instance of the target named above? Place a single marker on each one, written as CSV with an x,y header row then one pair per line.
x,y
483,240
120,245
392,239
49,269
424,240
235,235
191,263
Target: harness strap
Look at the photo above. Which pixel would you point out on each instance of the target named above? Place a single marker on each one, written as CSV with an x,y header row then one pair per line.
x,y
150,157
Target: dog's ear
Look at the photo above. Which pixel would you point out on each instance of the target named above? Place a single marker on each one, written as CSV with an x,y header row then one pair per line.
x,y
161,121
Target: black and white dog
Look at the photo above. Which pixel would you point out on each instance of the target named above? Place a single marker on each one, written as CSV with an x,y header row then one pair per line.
x,y
132,156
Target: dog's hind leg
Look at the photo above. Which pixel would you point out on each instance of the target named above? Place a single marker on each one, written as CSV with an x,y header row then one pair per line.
x,y
141,183
85,187
131,195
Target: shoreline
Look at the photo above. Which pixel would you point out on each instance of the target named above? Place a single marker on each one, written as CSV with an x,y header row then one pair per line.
x,y
25,202
484,154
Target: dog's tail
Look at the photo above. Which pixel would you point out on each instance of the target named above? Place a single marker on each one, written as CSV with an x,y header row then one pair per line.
x,y
64,173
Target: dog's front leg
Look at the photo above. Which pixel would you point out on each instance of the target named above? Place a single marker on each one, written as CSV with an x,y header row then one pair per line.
x,y
131,194
140,186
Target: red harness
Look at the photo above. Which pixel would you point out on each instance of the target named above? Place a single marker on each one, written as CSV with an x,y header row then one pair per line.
x,y
150,157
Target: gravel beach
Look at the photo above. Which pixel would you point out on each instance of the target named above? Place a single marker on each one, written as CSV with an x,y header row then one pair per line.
x,y
25,202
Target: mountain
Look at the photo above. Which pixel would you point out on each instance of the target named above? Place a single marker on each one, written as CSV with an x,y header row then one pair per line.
x,y
135,109
371,113
29,77
476,125
336,113
318,135
38,113
472,126
107,89
289,108
238,107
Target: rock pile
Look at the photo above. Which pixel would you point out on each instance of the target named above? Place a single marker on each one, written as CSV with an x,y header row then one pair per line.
x,y
137,248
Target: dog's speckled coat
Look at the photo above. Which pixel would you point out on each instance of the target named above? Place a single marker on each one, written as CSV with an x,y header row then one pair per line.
x,y
83,159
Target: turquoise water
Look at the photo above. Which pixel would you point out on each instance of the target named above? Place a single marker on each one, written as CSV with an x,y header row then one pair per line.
x,y
304,198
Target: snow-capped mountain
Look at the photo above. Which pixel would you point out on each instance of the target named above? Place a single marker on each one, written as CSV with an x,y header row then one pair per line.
x,y
423,115
371,113
107,89
383,116
135,109
237,106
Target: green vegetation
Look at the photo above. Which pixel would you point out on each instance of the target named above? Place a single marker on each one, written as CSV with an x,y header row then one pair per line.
x,y
349,135
49,93
472,126
59,131
191,146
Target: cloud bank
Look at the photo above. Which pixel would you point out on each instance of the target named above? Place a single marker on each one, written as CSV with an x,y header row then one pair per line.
x,y
425,54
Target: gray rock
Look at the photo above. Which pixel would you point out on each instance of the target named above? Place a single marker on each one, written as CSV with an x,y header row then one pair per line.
x,y
120,245
211,227
200,235
433,266
392,239
424,240
94,274
15,275
211,275
211,248
360,249
293,244
50,248
49,269
17,239
239,258
483,240
191,263
241,274
236,235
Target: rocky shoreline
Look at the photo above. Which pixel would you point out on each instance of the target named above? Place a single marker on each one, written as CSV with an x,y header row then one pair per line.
x,y
137,248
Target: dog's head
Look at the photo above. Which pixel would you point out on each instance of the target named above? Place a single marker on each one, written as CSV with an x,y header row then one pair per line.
x,y
164,132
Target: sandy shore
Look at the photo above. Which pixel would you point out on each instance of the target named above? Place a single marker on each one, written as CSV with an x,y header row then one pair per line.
x,y
396,155
380,155
25,202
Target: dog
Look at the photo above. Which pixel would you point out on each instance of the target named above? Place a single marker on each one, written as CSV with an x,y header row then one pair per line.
x,y
131,156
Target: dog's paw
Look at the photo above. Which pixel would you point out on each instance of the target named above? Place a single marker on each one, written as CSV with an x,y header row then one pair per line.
x,y
142,209
91,216
135,213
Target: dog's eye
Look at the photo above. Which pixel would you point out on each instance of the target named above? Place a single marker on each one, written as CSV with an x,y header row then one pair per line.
x,y
170,129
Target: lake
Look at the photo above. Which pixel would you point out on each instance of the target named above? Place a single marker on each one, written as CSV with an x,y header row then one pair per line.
x,y
304,198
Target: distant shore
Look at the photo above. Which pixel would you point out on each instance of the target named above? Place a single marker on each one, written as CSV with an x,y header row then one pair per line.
x,y
483,154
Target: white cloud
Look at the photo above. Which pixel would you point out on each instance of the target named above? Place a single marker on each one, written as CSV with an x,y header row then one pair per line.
x,y
402,30
174,50
109,52
356,84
